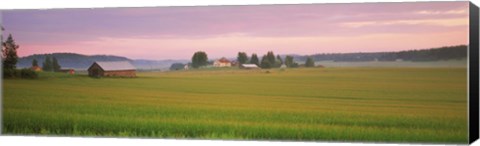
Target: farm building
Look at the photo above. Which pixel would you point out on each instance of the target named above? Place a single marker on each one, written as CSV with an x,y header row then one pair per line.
x,y
69,71
223,62
112,69
249,66
36,68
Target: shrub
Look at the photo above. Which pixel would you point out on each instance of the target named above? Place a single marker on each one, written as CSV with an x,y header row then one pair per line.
x,y
9,73
295,65
28,74
23,73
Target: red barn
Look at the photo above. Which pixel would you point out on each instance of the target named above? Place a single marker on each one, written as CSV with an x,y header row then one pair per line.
x,y
112,69
69,71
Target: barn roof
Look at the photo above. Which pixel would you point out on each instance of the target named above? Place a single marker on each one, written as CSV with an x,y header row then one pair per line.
x,y
115,65
250,65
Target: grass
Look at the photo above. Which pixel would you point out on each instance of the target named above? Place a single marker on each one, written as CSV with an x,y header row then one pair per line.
x,y
425,105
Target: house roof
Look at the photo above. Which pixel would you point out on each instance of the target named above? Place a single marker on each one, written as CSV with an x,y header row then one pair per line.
x,y
36,67
250,65
115,65
223,60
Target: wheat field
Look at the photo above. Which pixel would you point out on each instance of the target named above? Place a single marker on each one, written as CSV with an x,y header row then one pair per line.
x,y
424,105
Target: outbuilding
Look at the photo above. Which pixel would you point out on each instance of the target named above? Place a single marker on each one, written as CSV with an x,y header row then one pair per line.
x,y
112,69
249,66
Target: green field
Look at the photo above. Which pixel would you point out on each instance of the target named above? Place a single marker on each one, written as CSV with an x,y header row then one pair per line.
x,y
319,104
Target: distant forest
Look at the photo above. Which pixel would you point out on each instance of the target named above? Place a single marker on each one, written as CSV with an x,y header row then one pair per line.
x,y
433,54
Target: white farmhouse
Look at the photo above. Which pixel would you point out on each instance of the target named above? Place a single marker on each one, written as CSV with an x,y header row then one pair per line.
x,y
223,62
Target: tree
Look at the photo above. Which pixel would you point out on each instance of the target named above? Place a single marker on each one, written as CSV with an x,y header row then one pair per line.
x,y
56,67
294,65
279,59
9,52
242,57
271,58
265,62
177,66
278,62
254,59
34,62
47,64
199,59
309,62
288,61
10,59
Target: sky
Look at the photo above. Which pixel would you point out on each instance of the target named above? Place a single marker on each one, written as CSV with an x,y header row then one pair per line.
x,y
160,33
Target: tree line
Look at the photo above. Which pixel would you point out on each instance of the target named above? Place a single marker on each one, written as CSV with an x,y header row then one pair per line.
x,y
432,54
267,61
50,64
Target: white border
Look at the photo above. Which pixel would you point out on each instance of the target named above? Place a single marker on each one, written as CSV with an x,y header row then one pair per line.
x,y
49,4
78,141
46,4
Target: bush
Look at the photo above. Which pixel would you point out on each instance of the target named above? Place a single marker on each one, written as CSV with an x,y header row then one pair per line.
x,y
23,73
9,73
28,74
295,65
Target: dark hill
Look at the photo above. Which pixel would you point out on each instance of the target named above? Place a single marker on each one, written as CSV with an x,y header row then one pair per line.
x,y
82,62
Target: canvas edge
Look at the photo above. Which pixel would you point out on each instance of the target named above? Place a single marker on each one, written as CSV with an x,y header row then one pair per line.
x,y
473,70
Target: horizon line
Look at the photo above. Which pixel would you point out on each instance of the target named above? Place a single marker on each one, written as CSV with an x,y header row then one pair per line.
x,y
247,53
